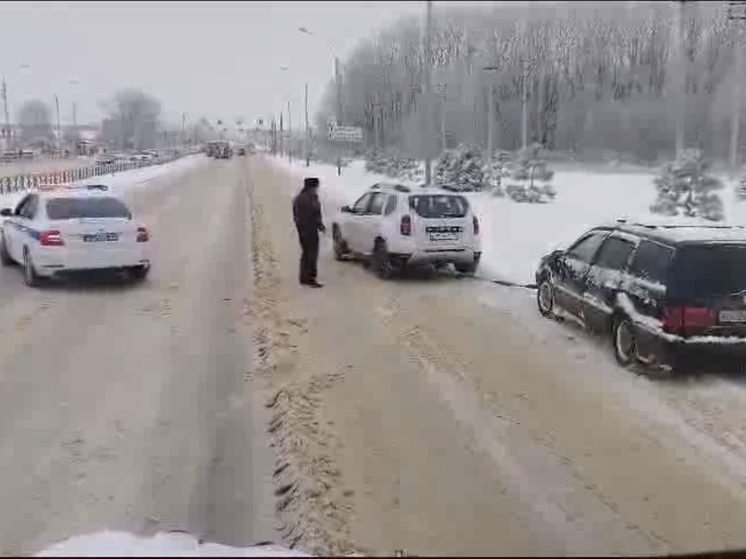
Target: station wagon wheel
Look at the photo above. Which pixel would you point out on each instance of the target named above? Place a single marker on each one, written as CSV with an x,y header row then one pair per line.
x,y
623,339
545,297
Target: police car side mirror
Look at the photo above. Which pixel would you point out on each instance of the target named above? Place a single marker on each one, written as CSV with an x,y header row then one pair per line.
x,y
6,212
346,210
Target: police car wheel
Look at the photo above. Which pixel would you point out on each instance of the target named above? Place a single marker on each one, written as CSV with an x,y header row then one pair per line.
x,y
5,258
29,273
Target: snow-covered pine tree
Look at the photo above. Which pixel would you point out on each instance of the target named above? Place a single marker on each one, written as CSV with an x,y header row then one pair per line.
x,y
686,188
741,188
461,169
529,171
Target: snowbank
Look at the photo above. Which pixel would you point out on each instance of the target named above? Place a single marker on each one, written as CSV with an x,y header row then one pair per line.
x,y
163,544
515,236
117,182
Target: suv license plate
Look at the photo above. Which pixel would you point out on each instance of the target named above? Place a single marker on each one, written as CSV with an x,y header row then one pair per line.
x,y
443,236
732,316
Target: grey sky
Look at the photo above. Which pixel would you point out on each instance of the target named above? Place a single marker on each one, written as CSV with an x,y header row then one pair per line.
x,y
217,59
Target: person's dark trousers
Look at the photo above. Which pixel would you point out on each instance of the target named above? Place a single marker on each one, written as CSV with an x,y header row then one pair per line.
x,y
309,245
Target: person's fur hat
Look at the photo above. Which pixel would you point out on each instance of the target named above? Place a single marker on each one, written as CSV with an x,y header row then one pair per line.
x,y
311,182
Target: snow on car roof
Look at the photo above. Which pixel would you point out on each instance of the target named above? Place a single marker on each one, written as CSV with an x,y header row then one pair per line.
x,y
68,190
687,232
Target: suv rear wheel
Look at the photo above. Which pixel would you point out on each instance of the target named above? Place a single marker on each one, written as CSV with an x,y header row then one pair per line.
x,y
381,261
624,342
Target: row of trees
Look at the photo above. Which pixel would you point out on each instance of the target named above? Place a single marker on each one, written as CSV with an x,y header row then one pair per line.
x,y
132,121
600,77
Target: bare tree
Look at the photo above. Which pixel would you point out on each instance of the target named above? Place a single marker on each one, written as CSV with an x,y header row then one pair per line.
x,y
35,122
601,82
133,118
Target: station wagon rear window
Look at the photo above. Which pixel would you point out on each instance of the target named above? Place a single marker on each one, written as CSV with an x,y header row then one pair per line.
x,y
439,205
77,208
706,270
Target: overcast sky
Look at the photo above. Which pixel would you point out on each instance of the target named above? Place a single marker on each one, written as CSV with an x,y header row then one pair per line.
x,y
217,59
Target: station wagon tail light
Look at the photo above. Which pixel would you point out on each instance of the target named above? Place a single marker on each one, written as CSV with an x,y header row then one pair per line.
x,y
406,225
142,235
52,238
476,225
688,320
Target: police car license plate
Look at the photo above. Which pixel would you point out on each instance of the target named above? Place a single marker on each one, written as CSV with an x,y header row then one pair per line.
x,y
101,237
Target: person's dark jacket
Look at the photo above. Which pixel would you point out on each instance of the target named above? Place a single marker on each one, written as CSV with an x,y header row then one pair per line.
x,y
307,212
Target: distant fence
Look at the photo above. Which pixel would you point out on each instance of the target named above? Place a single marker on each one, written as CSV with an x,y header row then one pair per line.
x,y
25,181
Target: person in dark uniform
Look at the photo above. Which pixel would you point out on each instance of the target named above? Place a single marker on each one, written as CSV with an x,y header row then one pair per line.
x,y
307,217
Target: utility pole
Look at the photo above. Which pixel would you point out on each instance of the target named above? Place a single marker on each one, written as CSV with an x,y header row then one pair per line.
x,y
733,14
4,92
442,88
281,132
308,130
428,92
183,128
524,121
59,131
290,135
338,84
490,124
683,73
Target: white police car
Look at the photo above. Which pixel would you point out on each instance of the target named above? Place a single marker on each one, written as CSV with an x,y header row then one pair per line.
x,y
58,230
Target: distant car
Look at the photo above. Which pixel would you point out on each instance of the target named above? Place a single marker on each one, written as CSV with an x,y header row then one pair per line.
x,y
664,293
58,230
105,159
242,151
394,227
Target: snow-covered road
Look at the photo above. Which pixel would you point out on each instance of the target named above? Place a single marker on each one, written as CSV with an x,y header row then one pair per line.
x,y
132,407
441,415
434,415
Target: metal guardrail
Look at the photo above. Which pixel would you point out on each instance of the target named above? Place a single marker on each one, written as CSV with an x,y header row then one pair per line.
x,y
25,181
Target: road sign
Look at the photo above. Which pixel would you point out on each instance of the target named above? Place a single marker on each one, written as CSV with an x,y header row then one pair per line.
x,y
345,133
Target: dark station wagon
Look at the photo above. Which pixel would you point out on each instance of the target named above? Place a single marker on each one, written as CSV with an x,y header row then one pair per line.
x,y
664,293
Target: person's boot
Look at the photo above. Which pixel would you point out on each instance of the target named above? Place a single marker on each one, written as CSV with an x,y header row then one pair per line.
x,y
314,283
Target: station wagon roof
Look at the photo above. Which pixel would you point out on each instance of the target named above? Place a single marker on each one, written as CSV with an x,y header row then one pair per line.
x,y
678,234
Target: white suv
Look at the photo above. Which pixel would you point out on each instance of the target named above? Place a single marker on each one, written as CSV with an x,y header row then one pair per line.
x,y
394,227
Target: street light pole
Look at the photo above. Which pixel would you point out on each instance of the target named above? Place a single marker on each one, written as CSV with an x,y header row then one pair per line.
x,y
428,92
308,130
4,92
290,135
490,126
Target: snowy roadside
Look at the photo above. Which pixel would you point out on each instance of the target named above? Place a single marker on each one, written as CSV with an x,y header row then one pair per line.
x,y
118,182
515,236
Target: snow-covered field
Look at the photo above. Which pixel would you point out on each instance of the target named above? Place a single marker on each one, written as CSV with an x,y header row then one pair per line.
x,y
117,182
515,236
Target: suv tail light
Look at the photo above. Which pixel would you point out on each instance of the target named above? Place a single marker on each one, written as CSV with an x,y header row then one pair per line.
x,y
52,238
476,225
406,225
142,235
688,320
